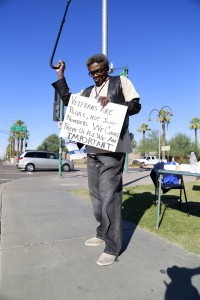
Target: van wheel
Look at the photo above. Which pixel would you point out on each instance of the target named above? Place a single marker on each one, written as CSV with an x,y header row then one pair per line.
x,y
65,167
30,168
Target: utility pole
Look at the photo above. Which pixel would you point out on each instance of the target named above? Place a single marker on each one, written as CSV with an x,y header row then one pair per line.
x,y
105,27
105,48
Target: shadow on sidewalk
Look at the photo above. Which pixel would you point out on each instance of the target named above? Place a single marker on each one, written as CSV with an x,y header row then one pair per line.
x,y
128,229
133,209
181,286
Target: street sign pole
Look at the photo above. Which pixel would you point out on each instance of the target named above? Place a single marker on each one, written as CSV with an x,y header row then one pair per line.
x,y
60,141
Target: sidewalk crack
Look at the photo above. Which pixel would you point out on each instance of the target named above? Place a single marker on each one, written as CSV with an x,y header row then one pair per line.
x,y
44,243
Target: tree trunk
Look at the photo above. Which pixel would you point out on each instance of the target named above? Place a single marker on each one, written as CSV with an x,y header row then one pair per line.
x,y
163,139
13,147
17,146
21,145
144,142
195,138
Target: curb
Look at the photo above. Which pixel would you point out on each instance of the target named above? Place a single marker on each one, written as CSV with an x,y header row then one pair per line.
x,y
2,188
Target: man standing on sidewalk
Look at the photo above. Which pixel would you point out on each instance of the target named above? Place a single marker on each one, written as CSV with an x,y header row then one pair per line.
x,y
105,168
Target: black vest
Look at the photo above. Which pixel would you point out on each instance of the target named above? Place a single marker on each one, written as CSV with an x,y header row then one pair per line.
x,y
115,93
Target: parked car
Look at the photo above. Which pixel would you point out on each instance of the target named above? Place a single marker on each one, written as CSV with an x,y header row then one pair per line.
x,y
42,160
148,160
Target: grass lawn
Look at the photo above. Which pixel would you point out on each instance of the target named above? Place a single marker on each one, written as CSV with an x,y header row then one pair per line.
x,y
175,225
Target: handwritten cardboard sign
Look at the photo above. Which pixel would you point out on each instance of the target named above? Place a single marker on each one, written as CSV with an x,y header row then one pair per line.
x,y
88,123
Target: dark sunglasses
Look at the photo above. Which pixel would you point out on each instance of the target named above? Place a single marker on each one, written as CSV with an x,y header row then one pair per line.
x,y
96,72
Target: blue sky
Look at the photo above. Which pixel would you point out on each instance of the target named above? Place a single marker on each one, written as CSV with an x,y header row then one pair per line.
x,y
157,40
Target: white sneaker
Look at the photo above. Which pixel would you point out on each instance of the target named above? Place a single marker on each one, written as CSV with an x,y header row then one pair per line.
x,y
94,241
106,259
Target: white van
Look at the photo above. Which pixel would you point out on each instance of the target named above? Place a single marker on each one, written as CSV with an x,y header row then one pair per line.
x,y
42,160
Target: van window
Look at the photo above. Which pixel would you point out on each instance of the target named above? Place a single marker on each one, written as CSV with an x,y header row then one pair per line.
x,y
41,155
51,155
30,154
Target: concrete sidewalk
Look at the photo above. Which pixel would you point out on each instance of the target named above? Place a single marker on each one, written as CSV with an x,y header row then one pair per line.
x,y
43,256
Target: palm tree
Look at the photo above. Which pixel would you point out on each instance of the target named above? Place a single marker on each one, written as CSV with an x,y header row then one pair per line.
x,y
143,128
11,140
164,118
11,148
195,124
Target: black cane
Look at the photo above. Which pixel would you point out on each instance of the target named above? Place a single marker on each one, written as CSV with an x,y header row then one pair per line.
x,y
58,37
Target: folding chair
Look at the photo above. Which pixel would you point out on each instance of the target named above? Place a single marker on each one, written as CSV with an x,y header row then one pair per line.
x,y
169,182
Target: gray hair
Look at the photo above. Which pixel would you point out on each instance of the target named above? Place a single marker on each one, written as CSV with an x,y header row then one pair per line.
x,y
98,58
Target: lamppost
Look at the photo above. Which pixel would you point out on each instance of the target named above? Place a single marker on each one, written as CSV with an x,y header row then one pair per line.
x,y
159,115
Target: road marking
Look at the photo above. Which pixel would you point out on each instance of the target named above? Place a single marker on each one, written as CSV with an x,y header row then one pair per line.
x,y
69,184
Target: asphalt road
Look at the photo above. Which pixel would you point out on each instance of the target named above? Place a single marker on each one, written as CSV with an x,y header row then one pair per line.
x,y
78,175
10,172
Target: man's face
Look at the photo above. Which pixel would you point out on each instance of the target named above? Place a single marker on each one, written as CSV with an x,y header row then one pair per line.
x,y
98,72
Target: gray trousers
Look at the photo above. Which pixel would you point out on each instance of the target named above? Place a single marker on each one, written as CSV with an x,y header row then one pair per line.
x,y
105,189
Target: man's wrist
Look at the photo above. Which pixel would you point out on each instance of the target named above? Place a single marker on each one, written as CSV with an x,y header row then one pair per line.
x,y
60,76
